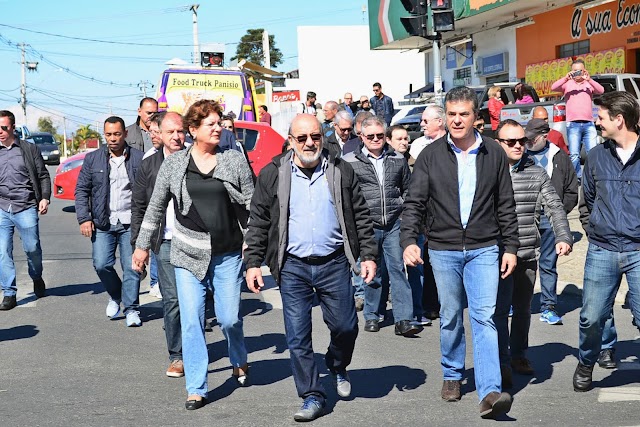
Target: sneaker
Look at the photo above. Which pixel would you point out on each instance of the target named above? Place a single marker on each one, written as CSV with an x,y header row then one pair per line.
x,y
343,383
511,311
421,321
310,410
175,369
113,308
551,317
154,291
132,318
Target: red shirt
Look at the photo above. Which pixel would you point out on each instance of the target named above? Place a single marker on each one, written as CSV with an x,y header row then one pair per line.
x,y
265,118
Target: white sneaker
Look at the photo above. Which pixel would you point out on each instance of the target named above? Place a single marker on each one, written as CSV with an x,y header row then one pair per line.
x,y
154,291
132,318
113,308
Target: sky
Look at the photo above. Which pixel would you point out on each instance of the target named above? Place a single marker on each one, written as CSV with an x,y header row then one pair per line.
x,y
94,57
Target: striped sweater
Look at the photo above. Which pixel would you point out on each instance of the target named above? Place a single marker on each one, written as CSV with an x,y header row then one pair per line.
x,y
191,249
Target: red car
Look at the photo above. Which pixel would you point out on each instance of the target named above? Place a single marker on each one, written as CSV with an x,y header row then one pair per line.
x,y
64,184
260,140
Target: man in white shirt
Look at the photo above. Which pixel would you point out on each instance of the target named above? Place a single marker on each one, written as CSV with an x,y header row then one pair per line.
x,y
433,126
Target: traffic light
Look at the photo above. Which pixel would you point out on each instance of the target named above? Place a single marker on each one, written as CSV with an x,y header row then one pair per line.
x,y
416,24
442,15
212,59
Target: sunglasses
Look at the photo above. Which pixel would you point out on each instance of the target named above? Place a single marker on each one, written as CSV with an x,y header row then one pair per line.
x,y
512,142
479,126
345,129
374,135
315,137
5,128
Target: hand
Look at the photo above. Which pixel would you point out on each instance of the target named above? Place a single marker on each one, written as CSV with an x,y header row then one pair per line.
x,y
368,270
43,206
411,256
563,248
569,76
509,262
139,259
585,75
87,228
254,279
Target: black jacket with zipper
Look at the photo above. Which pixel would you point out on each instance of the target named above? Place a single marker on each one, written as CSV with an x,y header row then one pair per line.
x,y
434,190
384,198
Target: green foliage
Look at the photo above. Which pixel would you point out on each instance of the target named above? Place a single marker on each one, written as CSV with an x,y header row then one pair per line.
x,y
45,124
250,48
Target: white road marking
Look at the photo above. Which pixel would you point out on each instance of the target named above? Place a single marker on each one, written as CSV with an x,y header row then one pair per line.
x,y
619,394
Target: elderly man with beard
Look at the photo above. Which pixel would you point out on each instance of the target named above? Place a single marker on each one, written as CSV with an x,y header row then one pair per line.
x,y
310,222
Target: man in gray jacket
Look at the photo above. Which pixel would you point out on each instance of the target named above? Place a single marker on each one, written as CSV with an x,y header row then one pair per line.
x,y
139,134
533,191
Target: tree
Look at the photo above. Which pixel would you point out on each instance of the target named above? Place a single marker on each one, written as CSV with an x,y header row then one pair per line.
x,y
83,133
45,124
250,48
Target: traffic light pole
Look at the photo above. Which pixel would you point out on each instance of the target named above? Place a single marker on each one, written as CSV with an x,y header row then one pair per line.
x,y
435,50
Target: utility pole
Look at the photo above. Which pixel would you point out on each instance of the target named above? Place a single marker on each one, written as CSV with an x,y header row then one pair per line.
x,y
23,86
196,44
143,86
435,52
64,136
267,64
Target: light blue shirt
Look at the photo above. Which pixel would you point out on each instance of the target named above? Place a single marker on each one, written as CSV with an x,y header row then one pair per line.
x,y
467,176
377,162
313,221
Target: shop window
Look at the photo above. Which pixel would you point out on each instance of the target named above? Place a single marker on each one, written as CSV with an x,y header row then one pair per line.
x,y
574,49
462,77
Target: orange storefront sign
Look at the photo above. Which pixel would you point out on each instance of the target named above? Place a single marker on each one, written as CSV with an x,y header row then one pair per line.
x,y
543,74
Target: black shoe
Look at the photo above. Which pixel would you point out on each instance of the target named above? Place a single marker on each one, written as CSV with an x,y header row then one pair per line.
x,y
582,377
8,303
371,326
406,328
39,287
507,376
607,359
192,405
431,314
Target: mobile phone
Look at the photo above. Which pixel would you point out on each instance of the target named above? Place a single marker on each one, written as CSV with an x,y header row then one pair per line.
x,y
576,73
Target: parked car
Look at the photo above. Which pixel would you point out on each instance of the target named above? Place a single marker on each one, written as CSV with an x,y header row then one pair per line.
x,y
407,110
22,132
261,142
412,124
48,147
64,183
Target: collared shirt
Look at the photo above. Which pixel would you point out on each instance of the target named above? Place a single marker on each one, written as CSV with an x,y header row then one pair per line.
x,y
146,140
120,187
313,220
16,189
466,176
150,152
377,162
418,145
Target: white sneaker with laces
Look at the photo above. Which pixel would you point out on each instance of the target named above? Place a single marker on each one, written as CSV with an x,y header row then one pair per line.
x,y
132,318
113,308
154,291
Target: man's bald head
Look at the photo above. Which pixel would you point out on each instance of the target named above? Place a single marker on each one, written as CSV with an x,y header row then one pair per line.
x,y
540,113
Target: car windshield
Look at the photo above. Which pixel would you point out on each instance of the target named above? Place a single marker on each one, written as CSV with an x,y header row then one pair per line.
x,y
608,83
43,139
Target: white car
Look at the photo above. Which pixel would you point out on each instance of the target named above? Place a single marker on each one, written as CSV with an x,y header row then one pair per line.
x,y
406,110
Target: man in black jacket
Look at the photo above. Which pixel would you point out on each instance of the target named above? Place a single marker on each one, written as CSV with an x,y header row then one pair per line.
x,y
24,193
103,208
310,221
384,178
462,183
172,135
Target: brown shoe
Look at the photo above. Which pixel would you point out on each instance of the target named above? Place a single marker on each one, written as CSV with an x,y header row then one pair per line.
x,y
521,365
450,390
175,369
495,404
359,304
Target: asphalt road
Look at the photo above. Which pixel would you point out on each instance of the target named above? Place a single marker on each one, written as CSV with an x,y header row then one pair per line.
x,y
64,363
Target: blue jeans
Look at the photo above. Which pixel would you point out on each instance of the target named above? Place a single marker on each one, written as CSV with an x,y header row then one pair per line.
x,y
547,265
517,291
471,276
415,275
578,134
170,305
358,283
27,224
603,270
153,270
225,276
390,250
299,282
104,259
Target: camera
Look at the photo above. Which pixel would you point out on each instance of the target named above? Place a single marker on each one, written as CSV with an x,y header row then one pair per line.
x,y
576,73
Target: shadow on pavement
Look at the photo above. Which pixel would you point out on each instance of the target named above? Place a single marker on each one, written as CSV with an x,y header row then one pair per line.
x,y
18,332
542,359
570,299
76,289
219,349
621,377
378,382
69,209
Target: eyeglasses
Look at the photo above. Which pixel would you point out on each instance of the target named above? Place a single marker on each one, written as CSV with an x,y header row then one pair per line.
x,y
511,142
426,121
5,128
302,139
479,126
345,129
374,135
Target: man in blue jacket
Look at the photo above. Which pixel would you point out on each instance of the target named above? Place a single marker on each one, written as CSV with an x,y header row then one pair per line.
x,y
381,104
103,208
612,195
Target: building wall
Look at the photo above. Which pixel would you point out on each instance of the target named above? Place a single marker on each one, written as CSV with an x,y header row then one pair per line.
x,y
335,60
